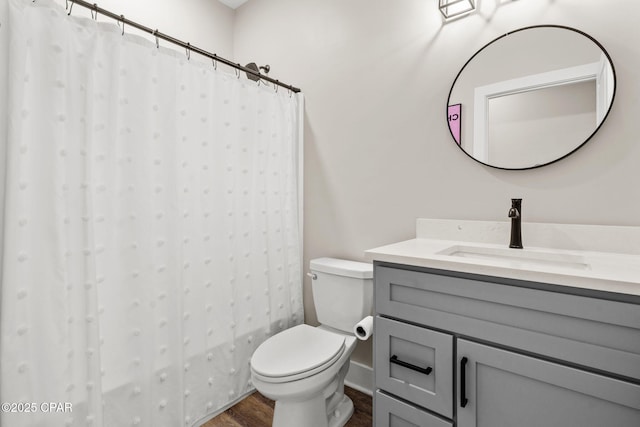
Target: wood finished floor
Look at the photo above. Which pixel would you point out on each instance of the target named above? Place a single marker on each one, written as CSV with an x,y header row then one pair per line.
x,y
257,411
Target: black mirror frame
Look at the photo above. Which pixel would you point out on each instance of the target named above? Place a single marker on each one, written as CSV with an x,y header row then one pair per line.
x,y
596,42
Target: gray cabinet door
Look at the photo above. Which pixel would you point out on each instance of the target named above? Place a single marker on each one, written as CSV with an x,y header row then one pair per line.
x,y
506,389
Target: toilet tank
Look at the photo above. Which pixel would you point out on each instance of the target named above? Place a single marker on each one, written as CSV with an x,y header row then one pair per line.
x,y
342,291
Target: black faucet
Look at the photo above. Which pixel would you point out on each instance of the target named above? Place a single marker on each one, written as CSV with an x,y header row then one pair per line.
x,y
515,213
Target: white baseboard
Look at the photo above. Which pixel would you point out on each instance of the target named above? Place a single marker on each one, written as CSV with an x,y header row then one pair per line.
x,y
360,377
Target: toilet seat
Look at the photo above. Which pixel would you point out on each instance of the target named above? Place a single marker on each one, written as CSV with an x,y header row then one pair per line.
x,y
296,353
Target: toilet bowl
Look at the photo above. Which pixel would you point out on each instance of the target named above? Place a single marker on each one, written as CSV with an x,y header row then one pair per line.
x,y
307,386
303,368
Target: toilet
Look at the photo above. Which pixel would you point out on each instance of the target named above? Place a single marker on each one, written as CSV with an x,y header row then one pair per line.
x,y
303,368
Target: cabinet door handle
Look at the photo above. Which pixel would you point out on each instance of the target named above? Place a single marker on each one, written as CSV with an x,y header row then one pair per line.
x,y
463,382
394,359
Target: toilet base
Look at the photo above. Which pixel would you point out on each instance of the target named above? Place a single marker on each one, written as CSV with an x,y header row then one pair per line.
x,y
312,413
342,413
330,408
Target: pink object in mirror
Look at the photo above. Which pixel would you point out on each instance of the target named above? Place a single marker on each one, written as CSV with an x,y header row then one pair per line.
x,y
455,120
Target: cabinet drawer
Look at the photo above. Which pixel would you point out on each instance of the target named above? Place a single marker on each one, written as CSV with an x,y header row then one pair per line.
x,y
415,364
390,412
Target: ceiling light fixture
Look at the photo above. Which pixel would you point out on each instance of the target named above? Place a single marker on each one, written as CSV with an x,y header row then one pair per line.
x,y
454,8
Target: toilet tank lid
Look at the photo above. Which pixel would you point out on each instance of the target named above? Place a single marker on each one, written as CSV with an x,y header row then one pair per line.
x,y
342,267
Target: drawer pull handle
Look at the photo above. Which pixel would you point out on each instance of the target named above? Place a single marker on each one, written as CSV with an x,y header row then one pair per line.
x,y
463,382
394,359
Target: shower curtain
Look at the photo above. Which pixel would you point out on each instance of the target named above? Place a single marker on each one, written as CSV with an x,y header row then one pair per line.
x,y
151,227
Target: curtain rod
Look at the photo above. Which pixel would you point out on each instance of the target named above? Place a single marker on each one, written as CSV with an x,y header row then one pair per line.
x,y
188,46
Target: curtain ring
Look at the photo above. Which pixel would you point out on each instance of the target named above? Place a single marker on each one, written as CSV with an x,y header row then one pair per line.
x,y
94,12
188,49
122,18
238,72
214,60
70,8
155,34
290,93
276,86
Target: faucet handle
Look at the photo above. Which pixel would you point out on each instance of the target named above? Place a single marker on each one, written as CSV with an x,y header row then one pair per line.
x,y
516,206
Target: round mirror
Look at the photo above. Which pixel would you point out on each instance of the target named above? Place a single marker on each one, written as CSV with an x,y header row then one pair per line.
x,y
531,97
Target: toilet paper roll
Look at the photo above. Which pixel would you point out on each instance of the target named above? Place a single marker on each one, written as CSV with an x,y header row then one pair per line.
x,y
364,328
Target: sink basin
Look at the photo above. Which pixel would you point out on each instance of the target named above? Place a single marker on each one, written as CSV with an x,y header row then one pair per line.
x,y
521,258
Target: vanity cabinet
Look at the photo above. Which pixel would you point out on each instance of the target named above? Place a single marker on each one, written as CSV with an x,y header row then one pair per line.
x,y
501,352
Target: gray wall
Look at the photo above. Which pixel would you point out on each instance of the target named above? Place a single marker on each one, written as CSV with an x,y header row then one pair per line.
x,y
376,76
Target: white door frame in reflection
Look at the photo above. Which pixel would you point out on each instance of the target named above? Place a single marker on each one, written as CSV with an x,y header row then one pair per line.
x,y
598,71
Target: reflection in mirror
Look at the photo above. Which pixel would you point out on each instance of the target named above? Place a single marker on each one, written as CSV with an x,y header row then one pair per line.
x,y
531,97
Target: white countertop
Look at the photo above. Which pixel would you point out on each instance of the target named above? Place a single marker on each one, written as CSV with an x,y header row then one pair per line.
x,y
598,270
